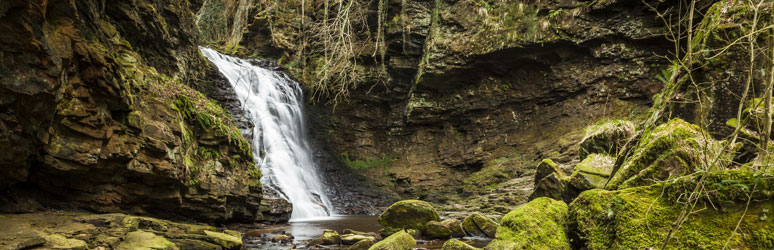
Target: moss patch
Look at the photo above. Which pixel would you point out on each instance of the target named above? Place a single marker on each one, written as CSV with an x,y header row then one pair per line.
x,y
539,224
641,217
606,137
398,241
671,150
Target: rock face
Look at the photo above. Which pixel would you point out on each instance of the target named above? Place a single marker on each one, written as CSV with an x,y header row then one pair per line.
x,y
99,110
443,89
408,214
641,217
539,224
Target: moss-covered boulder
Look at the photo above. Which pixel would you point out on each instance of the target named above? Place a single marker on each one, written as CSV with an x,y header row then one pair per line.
x,y
408,214
349,239
606,137
227,241
644,217
329,237
455,244
479,225
539,224
142,240
437,230
362,245
397,241
455,227
671,150
592,172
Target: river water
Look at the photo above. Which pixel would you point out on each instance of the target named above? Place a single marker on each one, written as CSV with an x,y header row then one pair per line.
x,y
307,230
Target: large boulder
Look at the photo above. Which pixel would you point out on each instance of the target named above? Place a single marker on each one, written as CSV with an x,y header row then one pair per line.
x,y
479,225
671,150
644,217
350,239
455,244
408,214
397,241
606,137
539,224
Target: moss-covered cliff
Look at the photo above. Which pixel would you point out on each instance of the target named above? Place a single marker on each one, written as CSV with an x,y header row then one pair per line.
x,y
100,110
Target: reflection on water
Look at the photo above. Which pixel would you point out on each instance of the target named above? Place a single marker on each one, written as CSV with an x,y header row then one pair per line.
x,y
307,230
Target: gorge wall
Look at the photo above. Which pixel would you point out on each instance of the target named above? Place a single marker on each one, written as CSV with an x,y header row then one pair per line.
x,y
452,98
100,109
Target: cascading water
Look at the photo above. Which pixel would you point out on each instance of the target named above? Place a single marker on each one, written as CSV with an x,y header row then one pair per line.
x,y
273,103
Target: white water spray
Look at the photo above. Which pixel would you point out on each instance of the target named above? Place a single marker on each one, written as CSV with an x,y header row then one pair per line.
x,y
273,103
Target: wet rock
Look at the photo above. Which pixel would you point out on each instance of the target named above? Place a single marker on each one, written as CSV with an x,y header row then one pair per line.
x,y
281,239
546,168
479,225
329,237
364,244
455,244
57,241
191,244
539,224
145,240
226,240
437,230
349,239
397,241
455,227
407,214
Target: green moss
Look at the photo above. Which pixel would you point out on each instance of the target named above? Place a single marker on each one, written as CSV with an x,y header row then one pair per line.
x,y
141,240
455,244
641,217
592,172
329,237
398,241
437,230
670,150
408,214
227,241
539,224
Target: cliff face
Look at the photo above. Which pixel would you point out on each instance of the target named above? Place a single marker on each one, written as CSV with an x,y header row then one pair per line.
x,y
99,109
451,97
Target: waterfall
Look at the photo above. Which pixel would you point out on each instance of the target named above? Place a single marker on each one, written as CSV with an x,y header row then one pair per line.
x,y
274,104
